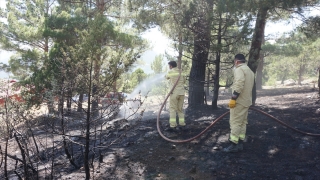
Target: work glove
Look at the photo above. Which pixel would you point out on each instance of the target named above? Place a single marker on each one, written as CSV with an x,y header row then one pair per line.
x,y
232,103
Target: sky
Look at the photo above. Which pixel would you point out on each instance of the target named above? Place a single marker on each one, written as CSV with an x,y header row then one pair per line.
x,y
160,43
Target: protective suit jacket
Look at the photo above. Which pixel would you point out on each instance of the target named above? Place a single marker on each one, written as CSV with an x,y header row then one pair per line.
x,y
172,76
176,98
243,84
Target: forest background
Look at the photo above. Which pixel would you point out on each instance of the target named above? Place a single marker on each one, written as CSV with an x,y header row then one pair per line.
x,y
63,48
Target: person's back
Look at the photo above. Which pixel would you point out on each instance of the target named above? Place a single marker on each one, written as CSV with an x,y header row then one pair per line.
x,y
173,75
244,73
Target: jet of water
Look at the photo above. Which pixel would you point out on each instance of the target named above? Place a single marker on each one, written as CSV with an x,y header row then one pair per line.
x,y
142,89
145,86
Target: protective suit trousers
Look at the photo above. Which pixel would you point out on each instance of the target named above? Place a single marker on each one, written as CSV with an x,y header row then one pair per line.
x,y
238,123
176,106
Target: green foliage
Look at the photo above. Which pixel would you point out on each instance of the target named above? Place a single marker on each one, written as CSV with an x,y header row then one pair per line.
x,y
133,79
159,67
311,27
294,57
157,64
22,33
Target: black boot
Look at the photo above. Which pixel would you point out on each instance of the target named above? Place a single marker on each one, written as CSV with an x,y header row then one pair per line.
x,y
240,145
182,128
171,129
232,148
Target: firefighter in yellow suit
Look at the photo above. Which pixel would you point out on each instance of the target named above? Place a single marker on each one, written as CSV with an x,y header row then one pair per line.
x,y
240,102
177,96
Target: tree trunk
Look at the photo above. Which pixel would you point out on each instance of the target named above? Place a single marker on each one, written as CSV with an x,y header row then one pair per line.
x,y
301,69
259,73
257,39
94,108
217,70
24,159
196,83
50,103
197,76
69,100
180,50
300,74
216,85
80,101
6,157
65,145
60,103
260,69
319,80
97,66
61,112
88,119
208,83
199,59
95,87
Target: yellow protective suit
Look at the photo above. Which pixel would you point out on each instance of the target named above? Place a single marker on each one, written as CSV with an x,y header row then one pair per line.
x,y
243,84
177,97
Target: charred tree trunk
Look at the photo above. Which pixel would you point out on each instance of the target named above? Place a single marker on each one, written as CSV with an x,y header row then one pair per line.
x,y
217,70
94,108
69,100
208,82
6,157
24,159
2,157
216,85
65,144
200,58
61,102
50,107
34,139
197,74
96,82
80,101
255,49
87,137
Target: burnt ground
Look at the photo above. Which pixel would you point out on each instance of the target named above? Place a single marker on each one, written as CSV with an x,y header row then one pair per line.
x,y
271,151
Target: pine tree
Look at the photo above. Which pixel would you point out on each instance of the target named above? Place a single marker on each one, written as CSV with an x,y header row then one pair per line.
x,y
23,34
264,8
229,32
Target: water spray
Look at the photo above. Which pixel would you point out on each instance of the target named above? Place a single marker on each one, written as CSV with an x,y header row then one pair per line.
x,y
132,101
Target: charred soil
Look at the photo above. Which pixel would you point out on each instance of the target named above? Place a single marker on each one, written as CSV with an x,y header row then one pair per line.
x,y
271,151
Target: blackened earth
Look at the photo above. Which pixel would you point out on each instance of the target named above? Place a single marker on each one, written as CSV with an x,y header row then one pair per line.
x,y
271,151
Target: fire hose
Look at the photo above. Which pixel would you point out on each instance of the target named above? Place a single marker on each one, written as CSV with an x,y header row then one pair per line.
x,y
218,119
